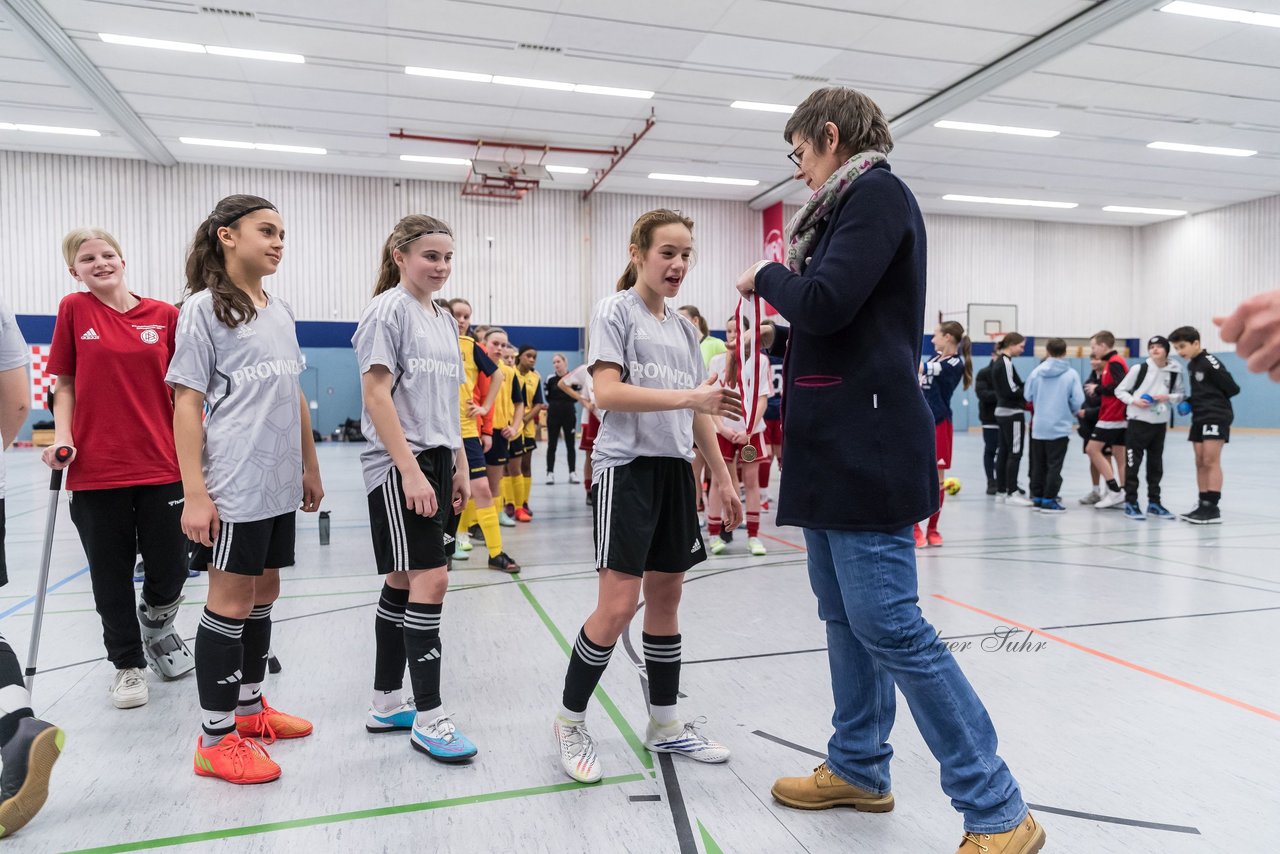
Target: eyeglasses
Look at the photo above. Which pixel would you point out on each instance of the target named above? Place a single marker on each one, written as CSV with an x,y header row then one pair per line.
x,y
794,156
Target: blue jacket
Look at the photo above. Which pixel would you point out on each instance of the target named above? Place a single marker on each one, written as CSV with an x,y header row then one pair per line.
x,y
1057,394
858,436
938,382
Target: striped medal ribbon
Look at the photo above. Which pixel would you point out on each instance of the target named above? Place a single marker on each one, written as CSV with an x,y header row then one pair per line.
x,y
747,316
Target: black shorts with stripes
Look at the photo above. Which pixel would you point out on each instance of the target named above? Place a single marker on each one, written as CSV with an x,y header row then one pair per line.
x,y
246,548
646,517
403,540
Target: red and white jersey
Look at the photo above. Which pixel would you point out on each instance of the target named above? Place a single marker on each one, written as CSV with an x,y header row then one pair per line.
x,y
123,422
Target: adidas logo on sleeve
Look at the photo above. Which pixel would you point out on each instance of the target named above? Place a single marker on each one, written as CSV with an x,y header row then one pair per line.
x,y
90,335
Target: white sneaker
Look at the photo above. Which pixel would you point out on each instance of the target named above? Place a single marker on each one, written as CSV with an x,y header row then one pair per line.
x,y
462,542
717,545
1019,500
1092,498
129,688
685,740
573,477
1111,499
551,478
756,547
577,751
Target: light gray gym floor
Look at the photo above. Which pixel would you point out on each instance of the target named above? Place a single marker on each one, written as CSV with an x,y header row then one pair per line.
x,y
1144,719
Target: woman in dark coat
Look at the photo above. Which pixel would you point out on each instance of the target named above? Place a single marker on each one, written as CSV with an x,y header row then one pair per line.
x,y
861,470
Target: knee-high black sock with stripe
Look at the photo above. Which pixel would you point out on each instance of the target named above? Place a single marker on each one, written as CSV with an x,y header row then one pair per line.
x,y
389,655
219,657
586,665
422,648
257,648
662,666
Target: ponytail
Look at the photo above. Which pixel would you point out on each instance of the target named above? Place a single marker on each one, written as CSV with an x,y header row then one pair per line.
x,y
406,231
627,280
956,331
207,265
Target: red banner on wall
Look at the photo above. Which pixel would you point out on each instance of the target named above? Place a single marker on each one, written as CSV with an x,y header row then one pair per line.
x,y
775,244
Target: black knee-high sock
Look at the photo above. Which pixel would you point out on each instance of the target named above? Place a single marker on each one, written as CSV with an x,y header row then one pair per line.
x,y
257,648
219,656
422,649
586,666
388,635
662,664
15,702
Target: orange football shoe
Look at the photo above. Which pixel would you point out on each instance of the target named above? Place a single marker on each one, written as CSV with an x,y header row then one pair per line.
x,y
270,724
237,760
523,515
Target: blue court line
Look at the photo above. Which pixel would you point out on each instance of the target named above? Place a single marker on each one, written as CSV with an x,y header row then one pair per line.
x,y
52,587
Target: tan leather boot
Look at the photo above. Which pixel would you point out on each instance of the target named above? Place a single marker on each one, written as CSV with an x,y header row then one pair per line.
x,y
823,789
1026,838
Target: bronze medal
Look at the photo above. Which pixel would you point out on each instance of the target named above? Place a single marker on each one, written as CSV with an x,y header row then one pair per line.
x,y
748,454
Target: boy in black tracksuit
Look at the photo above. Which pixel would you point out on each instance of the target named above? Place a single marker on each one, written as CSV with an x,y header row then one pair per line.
x,y
985,389
1011,407
1212,388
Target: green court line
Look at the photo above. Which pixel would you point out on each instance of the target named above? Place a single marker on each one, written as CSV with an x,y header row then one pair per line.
x,y
355,815
646,759
709,844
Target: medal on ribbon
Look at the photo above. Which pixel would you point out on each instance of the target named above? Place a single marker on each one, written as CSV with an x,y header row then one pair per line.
x,y
748,354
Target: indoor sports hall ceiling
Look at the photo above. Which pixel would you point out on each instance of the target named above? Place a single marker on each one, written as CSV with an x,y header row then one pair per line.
x,y
1146,76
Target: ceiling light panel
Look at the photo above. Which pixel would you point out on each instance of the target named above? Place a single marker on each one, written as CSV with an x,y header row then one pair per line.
x,y
1202,149
1027,203
49,129
703,179
762,107
1222,13
1005,129
442,161
191,47
527,82
257,146
1126,209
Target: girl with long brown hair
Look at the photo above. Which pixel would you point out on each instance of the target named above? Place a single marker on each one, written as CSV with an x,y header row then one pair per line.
x,y
950,366
246,467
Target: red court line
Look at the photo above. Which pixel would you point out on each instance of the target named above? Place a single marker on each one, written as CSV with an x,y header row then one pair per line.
x,y
1239,704
784,542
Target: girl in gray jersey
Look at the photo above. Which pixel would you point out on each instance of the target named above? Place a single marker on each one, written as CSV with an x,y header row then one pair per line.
x,y
648,374
245,470
416,476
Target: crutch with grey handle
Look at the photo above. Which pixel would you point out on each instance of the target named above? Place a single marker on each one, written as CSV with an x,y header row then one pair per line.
x,y
62,454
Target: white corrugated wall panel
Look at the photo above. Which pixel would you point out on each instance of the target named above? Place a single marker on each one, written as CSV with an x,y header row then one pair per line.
x,y
1066,279
1202,266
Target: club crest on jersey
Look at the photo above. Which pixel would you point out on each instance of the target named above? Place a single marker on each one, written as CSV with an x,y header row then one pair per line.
x,y
149,336
1199,376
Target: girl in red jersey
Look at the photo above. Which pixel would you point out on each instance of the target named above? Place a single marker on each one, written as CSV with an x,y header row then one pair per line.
x,y
111,349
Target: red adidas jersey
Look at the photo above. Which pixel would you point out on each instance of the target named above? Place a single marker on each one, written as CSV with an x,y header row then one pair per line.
x,y
123,422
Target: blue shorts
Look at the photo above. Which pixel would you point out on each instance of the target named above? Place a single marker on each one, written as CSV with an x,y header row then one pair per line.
x,y
475,457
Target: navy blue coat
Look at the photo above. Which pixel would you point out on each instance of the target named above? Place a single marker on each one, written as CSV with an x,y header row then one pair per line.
x,y
858,436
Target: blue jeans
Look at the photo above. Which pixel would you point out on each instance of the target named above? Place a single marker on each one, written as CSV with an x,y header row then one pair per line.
x,y
878,638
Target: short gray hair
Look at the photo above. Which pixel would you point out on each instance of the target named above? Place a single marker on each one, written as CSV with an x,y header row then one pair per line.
x,y
862,125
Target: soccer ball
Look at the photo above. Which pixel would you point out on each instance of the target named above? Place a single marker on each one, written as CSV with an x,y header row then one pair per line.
x,y
951,485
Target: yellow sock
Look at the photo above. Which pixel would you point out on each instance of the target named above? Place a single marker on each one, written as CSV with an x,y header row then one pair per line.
x,y
468,517
526,487
506,488
488,517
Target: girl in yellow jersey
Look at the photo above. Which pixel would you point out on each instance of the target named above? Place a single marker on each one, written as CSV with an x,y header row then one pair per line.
x,y
531,381
508,418
475,362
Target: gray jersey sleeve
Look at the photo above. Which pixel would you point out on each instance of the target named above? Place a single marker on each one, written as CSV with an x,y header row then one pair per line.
x,y
193,354
608,334
377,341
13,348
